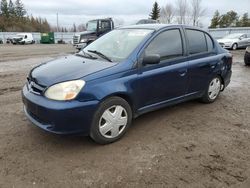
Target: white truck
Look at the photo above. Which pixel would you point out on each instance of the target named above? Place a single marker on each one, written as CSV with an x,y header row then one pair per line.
x,y
23,38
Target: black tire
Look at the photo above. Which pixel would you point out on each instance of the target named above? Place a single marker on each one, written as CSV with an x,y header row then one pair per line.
x,y
95,133
235,46
247,59
206,96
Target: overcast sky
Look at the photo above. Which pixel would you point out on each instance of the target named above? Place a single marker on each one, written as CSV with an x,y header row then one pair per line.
x,y
80,11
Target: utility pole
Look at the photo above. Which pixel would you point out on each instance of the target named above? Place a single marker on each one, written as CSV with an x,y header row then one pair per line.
x,y
57,22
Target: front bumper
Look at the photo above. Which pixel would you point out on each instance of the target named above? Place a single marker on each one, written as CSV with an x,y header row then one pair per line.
x,y
60,117
80,46
226,46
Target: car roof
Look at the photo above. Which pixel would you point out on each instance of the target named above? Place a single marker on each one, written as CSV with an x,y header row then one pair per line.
x,y
155,26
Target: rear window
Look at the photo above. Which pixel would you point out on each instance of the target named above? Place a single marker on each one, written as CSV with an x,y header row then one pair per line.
x,y
196,41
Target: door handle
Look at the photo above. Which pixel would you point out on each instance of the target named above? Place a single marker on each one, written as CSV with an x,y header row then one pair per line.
x,y
183,72
212,66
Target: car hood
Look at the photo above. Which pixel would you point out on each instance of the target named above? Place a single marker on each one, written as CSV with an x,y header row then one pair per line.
x,y
67,68
86,33
17,38
226,40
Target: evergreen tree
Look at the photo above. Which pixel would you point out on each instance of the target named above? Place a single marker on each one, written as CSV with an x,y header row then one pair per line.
x,y
4,8
155,14
12,11
244,21
19,9
229,19
215,20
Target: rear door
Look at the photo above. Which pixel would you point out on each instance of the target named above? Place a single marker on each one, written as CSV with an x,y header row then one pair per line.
x,y
202,60
168,79
248,39
242,41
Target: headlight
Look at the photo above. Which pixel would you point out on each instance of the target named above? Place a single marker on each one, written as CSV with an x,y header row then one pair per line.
x,y
65,91
83,40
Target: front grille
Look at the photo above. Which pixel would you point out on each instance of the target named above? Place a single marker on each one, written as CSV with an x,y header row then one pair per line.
x,y
76,39
34,87
222,44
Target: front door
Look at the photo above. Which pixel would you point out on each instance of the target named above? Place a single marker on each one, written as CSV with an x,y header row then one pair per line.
x,y
167,80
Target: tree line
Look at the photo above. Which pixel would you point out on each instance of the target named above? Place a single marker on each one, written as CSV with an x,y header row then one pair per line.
x,y
190,12
13,17
182,12
230,19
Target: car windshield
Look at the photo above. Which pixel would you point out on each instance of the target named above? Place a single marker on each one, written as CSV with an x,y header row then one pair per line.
x,y
233,36
118,44
92,25
20,35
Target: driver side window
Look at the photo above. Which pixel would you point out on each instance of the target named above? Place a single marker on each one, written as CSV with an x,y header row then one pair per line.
x,y
167,44
105,25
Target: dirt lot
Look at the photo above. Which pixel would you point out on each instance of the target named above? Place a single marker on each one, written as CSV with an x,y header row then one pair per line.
x,y
188,145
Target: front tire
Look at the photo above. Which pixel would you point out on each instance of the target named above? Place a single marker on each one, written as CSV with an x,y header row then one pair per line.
x,y
111,120
213,90
235,46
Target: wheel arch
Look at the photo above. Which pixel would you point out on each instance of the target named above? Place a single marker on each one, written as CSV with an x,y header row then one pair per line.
x,y
125,97
222,81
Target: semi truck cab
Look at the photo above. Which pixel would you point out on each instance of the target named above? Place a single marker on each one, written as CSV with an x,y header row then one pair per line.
x,y
94,29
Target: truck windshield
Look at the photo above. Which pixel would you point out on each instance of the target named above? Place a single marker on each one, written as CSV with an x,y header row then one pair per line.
x,y
118,44
92,25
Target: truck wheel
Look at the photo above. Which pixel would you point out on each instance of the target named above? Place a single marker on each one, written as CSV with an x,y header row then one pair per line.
x,y
111,120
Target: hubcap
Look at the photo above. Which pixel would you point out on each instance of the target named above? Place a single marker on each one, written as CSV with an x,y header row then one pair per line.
x,y
214,88
113,121
234,46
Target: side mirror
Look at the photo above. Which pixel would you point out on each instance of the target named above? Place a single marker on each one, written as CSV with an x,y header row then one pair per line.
x,y
151,59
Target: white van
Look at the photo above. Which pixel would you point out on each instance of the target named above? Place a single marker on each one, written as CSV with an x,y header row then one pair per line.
x,y
23,38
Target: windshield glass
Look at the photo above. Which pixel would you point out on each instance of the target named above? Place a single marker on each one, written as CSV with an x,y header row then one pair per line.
x,y
92,25
20,35
233,36
117,45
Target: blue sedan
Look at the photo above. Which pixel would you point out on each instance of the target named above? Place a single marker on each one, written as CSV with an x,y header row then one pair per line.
x,y
123,74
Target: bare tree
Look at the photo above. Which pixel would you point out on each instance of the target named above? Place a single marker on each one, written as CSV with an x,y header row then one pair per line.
x,y
167,14
81,27
182,11
196,11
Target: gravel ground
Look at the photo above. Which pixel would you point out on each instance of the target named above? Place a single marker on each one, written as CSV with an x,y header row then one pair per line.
x,y
187,145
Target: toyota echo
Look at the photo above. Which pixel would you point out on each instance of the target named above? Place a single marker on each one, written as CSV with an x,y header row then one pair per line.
x,y
123,74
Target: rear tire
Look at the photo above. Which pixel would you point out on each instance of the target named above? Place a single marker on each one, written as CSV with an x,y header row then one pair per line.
x,y
213,90
111,120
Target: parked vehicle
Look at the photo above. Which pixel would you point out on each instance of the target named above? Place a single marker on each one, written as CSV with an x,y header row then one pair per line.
x,y
123,74
1,41
9,40
146,21
94,29
247,56
235,41
23,38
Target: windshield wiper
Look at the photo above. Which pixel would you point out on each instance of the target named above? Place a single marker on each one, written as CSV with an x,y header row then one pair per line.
x,y
86,55
100,54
